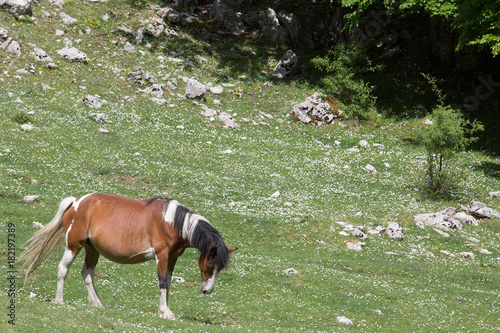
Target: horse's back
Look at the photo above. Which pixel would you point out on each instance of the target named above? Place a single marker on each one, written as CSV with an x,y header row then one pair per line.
x,y
120,228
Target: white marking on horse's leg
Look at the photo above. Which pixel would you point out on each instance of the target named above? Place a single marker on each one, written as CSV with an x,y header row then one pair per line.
x,y
88,278
169,216
208,287
77,203
62,272
163,309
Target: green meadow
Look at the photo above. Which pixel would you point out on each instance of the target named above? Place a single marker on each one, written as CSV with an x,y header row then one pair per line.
x,y
416,284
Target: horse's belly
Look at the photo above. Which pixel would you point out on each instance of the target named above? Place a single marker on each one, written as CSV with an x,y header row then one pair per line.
x,y
126,256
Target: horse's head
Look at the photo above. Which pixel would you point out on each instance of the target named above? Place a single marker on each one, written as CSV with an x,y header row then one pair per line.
x,y
209,269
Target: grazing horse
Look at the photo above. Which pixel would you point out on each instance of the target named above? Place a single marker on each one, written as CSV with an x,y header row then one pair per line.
x,y
127,231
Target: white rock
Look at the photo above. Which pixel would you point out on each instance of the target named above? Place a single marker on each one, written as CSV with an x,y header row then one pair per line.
x,y
364,144
228,120
357,246
27,127
288,64
155,89
358,233
159,101
228,151
467,255
481,250
32,295
195,89
102,130
495,194
288,204
59,32
99,117
438,220
94,102
343,320
370,169
379,312
343,233
37,225
40,55
68,20
441,232
129,48
387,165
358,214
379,145
216,90
275,194
480,210
14,48
72,54
394,230
30,198
290,271
465,218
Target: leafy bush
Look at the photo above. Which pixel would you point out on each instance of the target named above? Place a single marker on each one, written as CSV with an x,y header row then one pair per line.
x,y
343,67
448,134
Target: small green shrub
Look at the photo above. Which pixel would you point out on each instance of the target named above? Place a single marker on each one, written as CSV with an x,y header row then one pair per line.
x,y
448,134
343,67
21,118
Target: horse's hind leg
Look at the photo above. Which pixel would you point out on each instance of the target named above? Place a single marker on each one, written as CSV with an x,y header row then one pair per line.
x,y
62,272
88,270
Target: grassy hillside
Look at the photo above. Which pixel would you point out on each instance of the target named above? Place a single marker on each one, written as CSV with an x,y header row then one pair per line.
x,y
419,283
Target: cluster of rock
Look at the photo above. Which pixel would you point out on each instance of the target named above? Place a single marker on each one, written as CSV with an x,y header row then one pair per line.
x,y
8,43
450,219
17,7
314,110
393,230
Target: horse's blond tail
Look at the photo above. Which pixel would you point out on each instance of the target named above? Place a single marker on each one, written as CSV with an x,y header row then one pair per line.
x,y
45,240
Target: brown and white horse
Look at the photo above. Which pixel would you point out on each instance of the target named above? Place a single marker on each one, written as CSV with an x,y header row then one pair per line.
x,y
127,231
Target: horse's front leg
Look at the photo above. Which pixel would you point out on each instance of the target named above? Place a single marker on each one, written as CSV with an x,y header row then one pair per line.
x,y
165,267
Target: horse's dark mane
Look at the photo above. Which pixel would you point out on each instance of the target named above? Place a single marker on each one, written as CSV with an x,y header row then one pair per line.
x,y
204,237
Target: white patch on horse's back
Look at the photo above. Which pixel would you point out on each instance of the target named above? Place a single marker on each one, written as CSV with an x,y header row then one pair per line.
x,y
169,215
77,203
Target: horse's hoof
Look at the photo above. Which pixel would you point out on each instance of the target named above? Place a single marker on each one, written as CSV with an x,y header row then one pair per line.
x,y
97,305
166,315
57,301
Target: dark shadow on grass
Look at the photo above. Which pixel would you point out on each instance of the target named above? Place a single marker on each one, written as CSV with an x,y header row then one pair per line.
x,y
205,321
489,169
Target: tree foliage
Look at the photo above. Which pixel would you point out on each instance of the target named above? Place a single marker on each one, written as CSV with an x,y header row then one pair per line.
x,y
447,134
477,21
342,68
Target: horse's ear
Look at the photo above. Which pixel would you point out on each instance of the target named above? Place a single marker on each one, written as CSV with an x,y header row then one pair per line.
x,y
232,249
